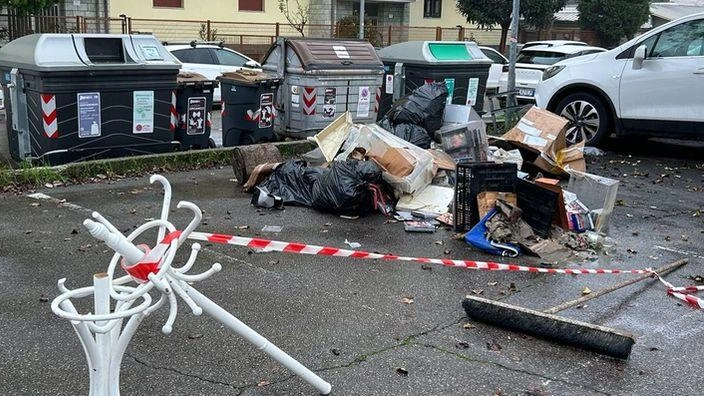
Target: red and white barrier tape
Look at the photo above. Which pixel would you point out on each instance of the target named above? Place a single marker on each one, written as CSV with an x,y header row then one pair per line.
x,y
684,293
681,293
301,248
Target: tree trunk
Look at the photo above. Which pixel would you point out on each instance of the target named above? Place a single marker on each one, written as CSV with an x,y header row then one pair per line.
x,y
502,40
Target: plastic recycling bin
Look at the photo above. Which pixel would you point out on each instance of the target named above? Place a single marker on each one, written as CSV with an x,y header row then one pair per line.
x,y
248,110
73,97
460,64
322,79
191,121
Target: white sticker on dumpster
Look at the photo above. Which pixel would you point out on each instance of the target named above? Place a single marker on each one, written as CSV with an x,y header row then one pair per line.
x,y
472,90
196,115
143,112
341,52
363,102
88,114
389,84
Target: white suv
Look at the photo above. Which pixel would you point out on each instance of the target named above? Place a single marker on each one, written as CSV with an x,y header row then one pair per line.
x,y
535,57
651,85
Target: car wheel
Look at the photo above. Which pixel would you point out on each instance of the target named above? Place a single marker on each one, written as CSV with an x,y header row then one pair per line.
x,y
590,121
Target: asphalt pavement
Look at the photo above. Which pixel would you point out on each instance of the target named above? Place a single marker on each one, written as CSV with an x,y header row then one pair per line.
x,y
367,327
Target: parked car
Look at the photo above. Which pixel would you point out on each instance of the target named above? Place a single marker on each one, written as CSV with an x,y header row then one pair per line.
x,y
533,60
552,43
492,83
652,85
210,60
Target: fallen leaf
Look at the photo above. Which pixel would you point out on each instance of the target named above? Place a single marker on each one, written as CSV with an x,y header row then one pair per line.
x,y
462,345
407,300
335,351
43,299
28,232
401,371
684,238
74,231
273,262
35,204
243,227
426,267
468,326
447,251
492,283
668,238
101,176
327,224
263,383
195,336
477,291
586,291
512,287
653,349
493,346
632,251
48,185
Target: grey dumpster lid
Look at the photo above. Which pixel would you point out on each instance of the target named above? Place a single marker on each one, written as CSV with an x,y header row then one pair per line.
x,y
75,52
321,54
434,52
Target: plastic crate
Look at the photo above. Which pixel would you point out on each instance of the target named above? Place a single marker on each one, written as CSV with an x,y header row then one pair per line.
x,y
472,179
538,204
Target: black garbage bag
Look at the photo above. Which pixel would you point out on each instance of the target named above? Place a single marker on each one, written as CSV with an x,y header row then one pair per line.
x,y
424,107
293,181
344,188
415,134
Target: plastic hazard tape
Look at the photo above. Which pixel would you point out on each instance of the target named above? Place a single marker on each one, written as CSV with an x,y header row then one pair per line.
x,y
684,293
301,248
266,245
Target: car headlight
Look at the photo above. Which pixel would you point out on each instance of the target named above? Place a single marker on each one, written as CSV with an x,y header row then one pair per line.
x,y
551,71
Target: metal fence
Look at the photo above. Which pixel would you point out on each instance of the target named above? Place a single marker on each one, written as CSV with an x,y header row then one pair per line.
x,y
234,33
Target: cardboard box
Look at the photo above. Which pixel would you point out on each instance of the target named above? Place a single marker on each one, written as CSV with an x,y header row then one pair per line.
x,y
543,133
537,129
396,161
486,200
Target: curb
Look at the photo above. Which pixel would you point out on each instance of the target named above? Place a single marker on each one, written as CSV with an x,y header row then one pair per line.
x,y
29,177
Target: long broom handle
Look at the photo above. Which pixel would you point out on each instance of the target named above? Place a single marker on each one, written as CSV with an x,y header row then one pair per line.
x,y
662,270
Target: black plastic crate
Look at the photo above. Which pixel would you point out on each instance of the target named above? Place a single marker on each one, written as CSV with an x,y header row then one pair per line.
x,y
474,178
538,204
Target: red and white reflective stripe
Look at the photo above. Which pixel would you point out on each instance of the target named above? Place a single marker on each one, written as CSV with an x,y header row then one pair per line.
x,y
252,115
301,248
209,120
49,117
377,99
683,293
174,114
309,100
222,109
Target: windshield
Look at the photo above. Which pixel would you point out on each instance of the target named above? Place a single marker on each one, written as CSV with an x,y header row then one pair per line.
x,y
540,57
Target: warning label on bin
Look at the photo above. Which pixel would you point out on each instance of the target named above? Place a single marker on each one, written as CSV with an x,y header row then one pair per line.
x,y
266,108
363,102
450,84
329,102
389,84
143,112
196,116
88,114
341,51
472,90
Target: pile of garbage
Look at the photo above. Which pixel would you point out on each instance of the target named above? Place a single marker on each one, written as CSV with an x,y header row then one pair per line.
x,y
430,164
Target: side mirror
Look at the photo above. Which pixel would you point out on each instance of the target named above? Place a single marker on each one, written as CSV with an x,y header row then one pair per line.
x,y
252,65
638,57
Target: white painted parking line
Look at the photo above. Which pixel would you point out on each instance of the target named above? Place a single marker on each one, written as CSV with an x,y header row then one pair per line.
x,y
682,252
60,202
